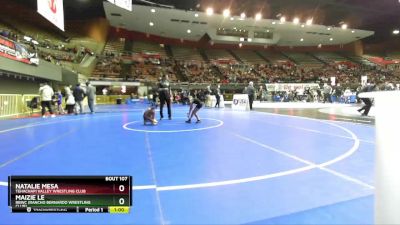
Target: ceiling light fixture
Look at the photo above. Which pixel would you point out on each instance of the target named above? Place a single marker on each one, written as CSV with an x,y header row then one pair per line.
x,y
226,13
209,11
258,16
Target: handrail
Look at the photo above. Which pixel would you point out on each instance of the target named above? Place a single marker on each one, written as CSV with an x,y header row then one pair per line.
x,y
14,104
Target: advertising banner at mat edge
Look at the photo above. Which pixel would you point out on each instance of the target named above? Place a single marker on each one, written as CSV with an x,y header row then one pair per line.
x,y
240,102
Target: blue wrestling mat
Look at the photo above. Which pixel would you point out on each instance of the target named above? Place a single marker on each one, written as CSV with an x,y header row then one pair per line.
x,y
232,168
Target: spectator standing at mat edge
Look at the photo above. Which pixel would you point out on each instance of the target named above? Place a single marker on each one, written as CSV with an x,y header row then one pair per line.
x,y
69,100
251,93
79,95
217,96
46,93
59,102
91,96
327,89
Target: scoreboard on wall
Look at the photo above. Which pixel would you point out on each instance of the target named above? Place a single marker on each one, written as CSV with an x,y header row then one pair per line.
x,y
70,194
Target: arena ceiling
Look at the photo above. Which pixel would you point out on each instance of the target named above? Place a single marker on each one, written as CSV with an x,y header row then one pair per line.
x,y
194,25
381,16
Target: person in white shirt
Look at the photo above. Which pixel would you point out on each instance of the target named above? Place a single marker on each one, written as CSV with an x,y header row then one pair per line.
x,y
104,91
46,94
69,99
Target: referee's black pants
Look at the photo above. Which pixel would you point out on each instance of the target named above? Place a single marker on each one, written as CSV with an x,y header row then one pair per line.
x,y
164,98
251,100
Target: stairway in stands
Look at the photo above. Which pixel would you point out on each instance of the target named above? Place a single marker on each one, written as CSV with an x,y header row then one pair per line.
x,y
204,55
168,50
235,56
263,57
318,59
126,68
178,69
128,45
290,58
217,72
180,72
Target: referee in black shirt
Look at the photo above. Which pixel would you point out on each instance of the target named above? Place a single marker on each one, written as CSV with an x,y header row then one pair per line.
x,y
164,93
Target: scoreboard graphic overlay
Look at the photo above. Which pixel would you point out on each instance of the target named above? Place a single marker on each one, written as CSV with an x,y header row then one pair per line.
x,y
70,194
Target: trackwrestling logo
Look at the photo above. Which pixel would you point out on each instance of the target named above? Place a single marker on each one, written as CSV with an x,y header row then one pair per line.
x,y
239,101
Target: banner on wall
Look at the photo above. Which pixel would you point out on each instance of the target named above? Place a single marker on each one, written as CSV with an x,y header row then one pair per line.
x,y
125,4
53,11
16,51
